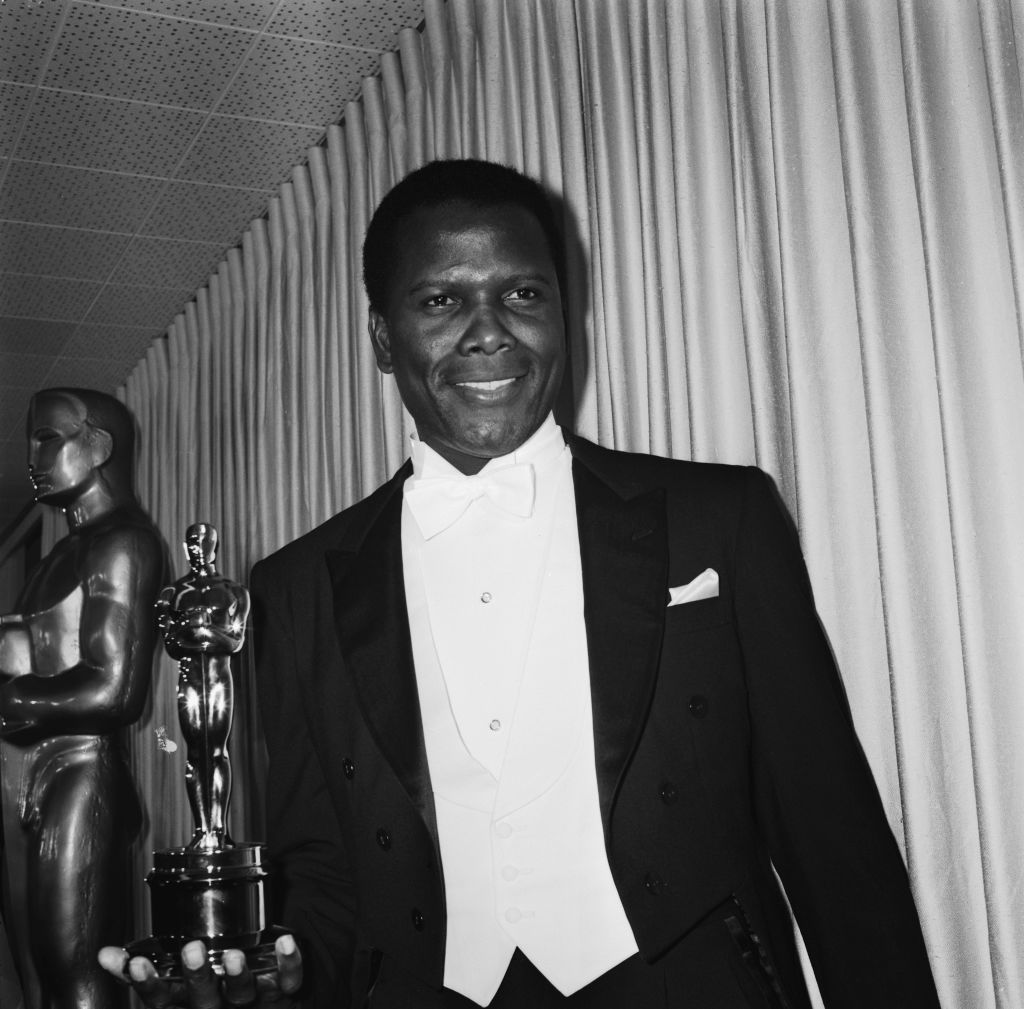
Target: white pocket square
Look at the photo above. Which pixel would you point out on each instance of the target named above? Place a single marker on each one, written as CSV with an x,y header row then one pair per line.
x,y
704,586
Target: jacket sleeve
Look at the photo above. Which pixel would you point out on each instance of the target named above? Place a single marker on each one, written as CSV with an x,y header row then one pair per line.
x,y
313,894
816,798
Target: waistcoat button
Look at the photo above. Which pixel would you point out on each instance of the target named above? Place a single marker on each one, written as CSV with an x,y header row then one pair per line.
x,y
383,838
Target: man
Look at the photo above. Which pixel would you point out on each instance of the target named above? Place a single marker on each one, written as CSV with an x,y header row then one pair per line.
x,y
75,667
541,716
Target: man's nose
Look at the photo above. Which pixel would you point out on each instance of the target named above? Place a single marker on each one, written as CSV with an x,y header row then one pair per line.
x,y
486,333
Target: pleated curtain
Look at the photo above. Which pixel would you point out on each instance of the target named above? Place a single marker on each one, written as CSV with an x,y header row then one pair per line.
x,y
796,239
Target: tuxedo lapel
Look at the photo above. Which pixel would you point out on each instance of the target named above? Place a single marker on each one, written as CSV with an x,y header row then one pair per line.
x,y
373,633
624,554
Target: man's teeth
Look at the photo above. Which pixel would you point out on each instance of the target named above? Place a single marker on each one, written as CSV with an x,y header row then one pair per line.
x,y
496,384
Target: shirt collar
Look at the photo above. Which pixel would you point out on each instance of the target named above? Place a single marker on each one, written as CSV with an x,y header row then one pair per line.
x,y
545,444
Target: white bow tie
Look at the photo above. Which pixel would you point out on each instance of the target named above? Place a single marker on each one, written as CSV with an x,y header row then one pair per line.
x,y
437,502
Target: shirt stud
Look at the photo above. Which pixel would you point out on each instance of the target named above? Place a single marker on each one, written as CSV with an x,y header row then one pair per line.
x,y
485,597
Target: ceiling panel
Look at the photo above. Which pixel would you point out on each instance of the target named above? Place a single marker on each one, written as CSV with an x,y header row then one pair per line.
x,y
138,140
89,373
14,102
25,371
373,25
125,54
251,14
26,35
167,262
46,297
76,197
34,336
115,343
146,307
109,133
294,80
62,252
264,151
14,465
205,213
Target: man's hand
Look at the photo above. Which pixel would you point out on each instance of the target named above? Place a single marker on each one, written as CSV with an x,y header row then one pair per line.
x,y
201,988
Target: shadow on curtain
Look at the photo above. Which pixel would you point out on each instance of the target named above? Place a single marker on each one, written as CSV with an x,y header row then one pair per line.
x,y
803,224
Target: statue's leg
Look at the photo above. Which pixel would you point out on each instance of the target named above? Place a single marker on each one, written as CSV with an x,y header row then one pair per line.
x,y
78,873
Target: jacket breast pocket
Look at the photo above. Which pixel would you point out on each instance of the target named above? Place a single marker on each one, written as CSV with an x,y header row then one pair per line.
x,y
701,614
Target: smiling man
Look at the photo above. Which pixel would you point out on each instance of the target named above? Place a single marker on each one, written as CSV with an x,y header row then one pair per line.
x,y
541,717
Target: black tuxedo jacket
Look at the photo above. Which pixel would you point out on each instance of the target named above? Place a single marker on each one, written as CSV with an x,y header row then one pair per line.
x,y
723,745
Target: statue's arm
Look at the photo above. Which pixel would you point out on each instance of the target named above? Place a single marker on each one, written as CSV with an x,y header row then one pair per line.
x,y
120,578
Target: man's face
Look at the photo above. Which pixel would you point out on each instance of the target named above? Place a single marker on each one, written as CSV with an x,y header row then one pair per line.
x,y
62,452
473,329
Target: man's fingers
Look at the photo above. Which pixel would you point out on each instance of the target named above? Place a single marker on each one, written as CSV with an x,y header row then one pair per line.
x,y
113,960
289,965
201,982
156,994
239,983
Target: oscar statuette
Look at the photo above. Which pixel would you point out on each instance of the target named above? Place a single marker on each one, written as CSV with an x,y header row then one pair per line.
x,y
211,889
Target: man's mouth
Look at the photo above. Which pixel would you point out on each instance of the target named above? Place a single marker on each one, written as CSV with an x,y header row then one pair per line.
x,y
490,386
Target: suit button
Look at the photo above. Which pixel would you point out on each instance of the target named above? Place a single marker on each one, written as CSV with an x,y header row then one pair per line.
x,y
417,919
668,793
654,885
698,706
383,838
348,768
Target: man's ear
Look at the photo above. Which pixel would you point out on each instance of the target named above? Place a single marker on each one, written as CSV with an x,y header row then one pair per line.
x,y
381,340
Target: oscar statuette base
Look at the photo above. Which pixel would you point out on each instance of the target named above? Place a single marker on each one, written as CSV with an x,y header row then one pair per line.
x,y
216,896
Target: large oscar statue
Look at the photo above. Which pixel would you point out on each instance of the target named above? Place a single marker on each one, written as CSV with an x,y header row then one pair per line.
x,y
75,668
212,888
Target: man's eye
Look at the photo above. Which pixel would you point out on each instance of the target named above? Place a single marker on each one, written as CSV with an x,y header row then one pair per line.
x,y
521,294
438,301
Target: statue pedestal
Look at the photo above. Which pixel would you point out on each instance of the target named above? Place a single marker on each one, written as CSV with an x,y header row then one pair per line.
x,y
215,896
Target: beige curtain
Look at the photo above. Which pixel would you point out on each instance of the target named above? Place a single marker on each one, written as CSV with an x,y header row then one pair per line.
x,y
797,237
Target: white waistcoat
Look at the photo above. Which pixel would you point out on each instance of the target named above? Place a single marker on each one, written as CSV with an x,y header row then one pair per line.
x,y
523,854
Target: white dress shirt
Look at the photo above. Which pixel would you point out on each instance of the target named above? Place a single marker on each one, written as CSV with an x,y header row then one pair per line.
x,y
495,603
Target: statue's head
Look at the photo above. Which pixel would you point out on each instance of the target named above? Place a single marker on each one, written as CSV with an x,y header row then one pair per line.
x,y
201,545
78,439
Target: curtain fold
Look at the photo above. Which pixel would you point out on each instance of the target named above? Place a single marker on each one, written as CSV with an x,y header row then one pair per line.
x,y
794,232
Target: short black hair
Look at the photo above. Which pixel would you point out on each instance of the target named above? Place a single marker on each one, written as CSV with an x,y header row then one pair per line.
x,y
467,181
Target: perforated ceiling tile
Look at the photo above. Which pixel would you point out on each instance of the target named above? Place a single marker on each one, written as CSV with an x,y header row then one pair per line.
x,y
242,152
126,54
109,133
15,100
25,31
89,373
59,252
236,13
152,308
24,371
168,263
372,23
113,342
205,213
13,414
46,297
298,81
13,453
76,197
33,336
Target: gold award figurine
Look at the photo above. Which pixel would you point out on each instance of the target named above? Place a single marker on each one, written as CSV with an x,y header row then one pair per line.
x,y
212,888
